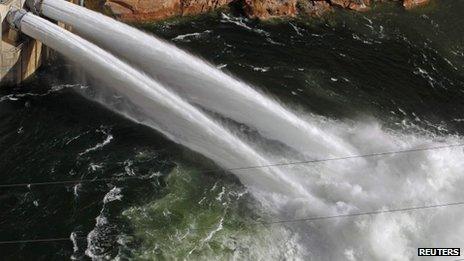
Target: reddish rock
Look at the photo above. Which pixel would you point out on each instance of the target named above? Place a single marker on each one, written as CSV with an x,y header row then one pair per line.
x,y
193,7
119,9
409,4
144,10
315,8
341,3
154,10
265,9
357,5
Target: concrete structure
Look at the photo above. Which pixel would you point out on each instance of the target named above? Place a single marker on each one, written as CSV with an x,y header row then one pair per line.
x,y
20,56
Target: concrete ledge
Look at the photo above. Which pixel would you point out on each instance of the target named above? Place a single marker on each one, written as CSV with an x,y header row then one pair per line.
x,y
19,62
20,56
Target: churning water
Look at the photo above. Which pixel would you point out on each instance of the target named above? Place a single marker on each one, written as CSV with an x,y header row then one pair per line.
x,y
381,81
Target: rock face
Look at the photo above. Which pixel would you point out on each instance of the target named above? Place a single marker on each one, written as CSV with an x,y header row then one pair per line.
x,y
358,5
194,7
314,8
409,4
144,10
155,10
265,9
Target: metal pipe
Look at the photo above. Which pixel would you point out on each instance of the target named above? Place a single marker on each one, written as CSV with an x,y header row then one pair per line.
x,y
14,17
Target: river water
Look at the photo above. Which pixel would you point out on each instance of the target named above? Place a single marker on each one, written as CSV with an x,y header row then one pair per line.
x,y
383,80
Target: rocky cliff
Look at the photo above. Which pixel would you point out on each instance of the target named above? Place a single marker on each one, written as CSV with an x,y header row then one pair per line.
x,y
155,10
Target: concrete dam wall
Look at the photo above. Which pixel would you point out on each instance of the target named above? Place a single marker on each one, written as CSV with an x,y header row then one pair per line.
x,y
20,56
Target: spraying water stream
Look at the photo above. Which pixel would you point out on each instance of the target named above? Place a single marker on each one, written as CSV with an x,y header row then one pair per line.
x,y
163,110
197,81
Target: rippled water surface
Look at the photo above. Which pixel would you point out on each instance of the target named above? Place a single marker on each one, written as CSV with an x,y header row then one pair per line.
x,y
381,80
